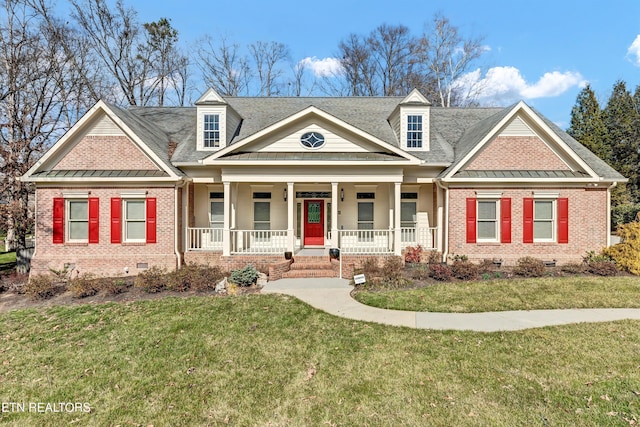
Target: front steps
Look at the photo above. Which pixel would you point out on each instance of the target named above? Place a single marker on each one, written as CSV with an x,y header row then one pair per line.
x,y
312,266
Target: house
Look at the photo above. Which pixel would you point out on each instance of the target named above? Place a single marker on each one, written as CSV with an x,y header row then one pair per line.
x,y
237,180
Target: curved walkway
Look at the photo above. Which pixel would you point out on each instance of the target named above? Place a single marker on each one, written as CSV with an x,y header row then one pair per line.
x,y
334,297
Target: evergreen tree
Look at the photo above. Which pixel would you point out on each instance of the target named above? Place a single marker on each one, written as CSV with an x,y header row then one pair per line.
x,y
621,120
587,125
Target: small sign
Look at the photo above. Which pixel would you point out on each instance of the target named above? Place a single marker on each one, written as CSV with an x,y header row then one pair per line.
x,y
359,279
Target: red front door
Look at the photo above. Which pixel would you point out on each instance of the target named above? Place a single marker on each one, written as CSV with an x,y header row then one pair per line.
x,y
313,222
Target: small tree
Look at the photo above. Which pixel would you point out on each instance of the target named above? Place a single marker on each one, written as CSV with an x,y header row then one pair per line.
x,y
626,254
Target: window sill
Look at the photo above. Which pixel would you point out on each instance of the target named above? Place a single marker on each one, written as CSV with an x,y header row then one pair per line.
x,y
488,243
134,243
76,243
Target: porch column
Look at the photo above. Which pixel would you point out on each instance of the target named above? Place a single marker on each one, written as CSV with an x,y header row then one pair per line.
x,y
397,238
226,231
334,215
291,237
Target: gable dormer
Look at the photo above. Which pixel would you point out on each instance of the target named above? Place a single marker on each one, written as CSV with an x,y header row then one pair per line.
x,y
410,122
216,122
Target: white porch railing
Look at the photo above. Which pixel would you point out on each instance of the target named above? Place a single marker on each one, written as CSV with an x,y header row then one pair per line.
x,y
258,241
425,237
366,241
204,239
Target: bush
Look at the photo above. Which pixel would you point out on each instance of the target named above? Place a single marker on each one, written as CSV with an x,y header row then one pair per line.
x,y
434,257
487,266
207,277
371,267
529,267
114,286
83,286
152,280
626,254
245,277
392,272
194,277
464,270
573,268
420,273
40,287
602,268
413,254
440,272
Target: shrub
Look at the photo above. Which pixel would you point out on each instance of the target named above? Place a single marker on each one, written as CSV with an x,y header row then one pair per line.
x,y
529,267
85,285
194,277
464,270
207,277
440,272
114,286
40,287
573,268
626,254
392,272
413,254
434,257
371,266
602,268
487,266
152,280
246,276
420,273
455,257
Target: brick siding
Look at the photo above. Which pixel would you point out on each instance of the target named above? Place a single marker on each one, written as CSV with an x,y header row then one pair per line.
x,y
99,152
517,153
587,227
104,258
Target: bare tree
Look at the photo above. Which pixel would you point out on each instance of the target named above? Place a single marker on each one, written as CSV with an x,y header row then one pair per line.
x,y
394,51
222,65
447,56
267,56
37,84
359,67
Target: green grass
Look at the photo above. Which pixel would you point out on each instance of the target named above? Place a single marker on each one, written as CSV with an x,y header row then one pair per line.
x,y
513,294
7,257
272,360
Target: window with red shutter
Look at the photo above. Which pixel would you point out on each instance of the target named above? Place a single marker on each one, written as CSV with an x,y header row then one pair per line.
x,y
116,222
58,220
563,220
94,220
527,231
471,220
505,220
151,220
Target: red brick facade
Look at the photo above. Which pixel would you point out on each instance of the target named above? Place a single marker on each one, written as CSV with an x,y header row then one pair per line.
x,y
516,153
587,227
91,151
104,257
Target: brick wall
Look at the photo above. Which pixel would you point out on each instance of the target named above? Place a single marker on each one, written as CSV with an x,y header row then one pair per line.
x,y
99,152
104,258
587,227
517,153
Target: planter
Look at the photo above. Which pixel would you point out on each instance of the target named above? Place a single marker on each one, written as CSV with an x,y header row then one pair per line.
x,y
288,255
334,253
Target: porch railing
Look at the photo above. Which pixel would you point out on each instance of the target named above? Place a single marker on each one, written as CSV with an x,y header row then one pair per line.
x,y
366,241
204,239
258,241
425,237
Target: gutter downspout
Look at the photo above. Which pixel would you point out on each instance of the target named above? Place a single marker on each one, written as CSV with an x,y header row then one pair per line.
x,y
609,213
445,229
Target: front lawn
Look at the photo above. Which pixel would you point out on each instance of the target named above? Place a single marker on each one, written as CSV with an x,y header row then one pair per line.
x,y
273,360
7,257
511,294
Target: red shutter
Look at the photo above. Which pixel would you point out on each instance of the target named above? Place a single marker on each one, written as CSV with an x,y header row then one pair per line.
x,y
151,220
505,220
471,220
58,220
116,223
563,220
94,221
527,226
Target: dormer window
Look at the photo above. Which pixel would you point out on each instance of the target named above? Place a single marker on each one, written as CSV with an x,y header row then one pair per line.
x,y
211,136
414,131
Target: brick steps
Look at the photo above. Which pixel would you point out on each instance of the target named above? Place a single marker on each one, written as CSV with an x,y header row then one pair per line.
x,y
313,266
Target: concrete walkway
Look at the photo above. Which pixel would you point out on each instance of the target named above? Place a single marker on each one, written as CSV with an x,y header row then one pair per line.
x,y
334,297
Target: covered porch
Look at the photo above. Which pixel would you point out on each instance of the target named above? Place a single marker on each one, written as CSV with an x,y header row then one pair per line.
x,y
363,217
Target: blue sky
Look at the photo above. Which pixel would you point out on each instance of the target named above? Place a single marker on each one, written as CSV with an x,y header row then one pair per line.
x,y
540,51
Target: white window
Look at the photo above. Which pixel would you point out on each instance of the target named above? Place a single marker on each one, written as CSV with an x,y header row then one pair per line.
x,y
78,220
211,136
544,221
135,224
414,131
488,220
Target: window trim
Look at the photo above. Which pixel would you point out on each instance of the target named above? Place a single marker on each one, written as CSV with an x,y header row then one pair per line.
x,y
553,220
125,220
414,132
497,220
211,138
254,222
68,220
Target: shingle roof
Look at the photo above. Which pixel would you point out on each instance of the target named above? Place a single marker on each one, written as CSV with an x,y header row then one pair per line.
x,y
520,174
101,174
453,131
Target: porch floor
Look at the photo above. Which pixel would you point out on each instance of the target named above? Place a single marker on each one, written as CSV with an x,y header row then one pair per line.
x,y
312,252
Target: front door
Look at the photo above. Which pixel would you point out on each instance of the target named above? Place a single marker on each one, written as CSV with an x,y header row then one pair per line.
x,y
314,223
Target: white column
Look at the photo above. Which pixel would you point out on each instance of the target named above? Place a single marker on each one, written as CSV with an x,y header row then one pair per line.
x,y
291,237
226,230
334,214
397,238
234,206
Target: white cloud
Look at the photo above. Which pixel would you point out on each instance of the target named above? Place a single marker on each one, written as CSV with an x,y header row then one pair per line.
x,y
633,53
325,67
505,85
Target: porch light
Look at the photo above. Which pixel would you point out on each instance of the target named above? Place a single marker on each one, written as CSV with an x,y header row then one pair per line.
x,y
284,194
342,194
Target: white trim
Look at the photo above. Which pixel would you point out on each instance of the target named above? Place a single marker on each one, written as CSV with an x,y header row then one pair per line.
x,y
480,194
306,112
210,96
546,194
554,220
125,221
75,195
67,218
496,201
133,195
